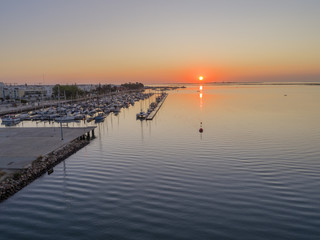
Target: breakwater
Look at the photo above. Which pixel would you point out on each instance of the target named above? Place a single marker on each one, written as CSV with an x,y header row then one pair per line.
x,y
43,164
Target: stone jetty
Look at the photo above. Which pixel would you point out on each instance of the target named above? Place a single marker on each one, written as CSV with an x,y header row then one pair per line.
x,y
21,170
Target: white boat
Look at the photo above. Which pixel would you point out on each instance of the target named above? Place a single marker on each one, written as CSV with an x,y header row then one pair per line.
x,y
53,116
79,116
142,115
36,117
24,116
116,110
150,110
107,110
64,118
99,117
10,119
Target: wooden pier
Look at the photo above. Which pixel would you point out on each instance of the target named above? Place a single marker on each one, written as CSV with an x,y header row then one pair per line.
x,y
154,112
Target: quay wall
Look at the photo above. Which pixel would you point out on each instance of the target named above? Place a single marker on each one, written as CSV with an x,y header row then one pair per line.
x,y
21,178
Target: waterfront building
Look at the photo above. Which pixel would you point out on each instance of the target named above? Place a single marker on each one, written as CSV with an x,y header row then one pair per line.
x,y
11,92
87,87
35,92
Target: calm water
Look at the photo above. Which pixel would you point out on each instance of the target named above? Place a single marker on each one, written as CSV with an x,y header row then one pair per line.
x,y
254,173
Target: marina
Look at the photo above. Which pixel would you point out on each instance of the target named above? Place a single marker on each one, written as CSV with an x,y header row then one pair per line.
x,y
34,106
96,108
21,148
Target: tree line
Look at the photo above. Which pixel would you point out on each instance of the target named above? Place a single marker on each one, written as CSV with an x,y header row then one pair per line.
x,y
68,91
73,91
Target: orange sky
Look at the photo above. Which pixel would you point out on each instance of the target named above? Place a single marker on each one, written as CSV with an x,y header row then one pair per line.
x,y
150,42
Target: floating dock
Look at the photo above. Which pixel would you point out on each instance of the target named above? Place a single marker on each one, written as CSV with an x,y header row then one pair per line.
x,y
154,112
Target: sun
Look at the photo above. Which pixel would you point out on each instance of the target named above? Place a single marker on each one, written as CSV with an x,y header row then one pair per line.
x,y
201,78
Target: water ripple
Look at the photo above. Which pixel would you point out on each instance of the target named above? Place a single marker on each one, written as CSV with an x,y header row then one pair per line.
x,y
248,176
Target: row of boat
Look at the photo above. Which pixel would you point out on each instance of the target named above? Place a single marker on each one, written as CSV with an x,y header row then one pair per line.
x,y
143,115
94,109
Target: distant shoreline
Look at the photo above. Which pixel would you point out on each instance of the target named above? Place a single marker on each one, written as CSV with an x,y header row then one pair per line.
x,y
266,83
184,85
237,83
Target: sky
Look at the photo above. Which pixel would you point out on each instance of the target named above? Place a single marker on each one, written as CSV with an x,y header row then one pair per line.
x,y
152,41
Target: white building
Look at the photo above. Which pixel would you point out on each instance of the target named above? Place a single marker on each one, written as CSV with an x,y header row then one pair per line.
x,y
35,92
87,87
32,92
10,92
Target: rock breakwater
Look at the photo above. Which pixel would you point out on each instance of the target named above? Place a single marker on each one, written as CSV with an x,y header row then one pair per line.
x,y
21,178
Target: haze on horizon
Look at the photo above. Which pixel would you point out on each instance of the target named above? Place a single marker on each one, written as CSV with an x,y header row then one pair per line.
x,y
117,41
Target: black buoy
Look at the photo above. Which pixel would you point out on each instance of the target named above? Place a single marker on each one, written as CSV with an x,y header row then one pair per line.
x,y
200,129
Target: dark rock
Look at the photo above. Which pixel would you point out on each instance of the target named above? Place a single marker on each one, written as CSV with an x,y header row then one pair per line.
x,y
22,178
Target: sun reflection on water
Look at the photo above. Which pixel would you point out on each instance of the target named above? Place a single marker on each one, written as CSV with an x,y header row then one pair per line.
x,y
201,96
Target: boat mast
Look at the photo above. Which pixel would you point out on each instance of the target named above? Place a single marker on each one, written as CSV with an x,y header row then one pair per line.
x,y
60,112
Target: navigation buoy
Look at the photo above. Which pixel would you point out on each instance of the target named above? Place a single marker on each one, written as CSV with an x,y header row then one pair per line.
x,y
201,129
